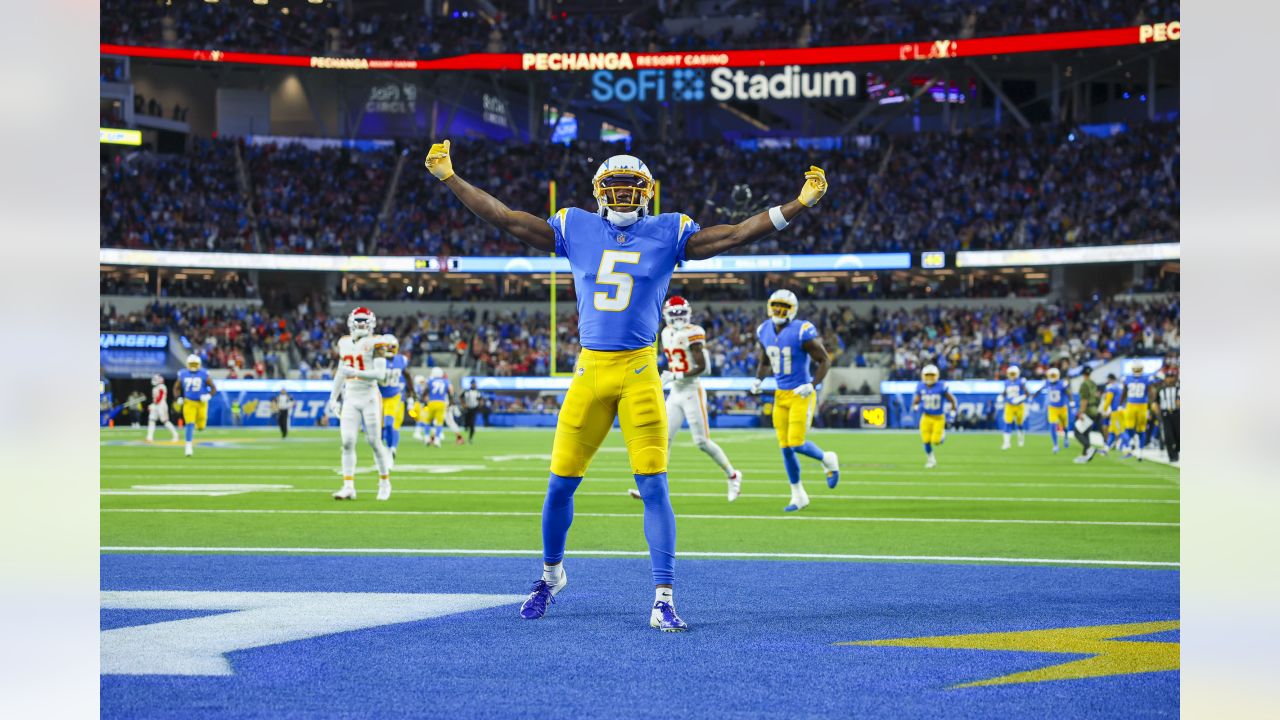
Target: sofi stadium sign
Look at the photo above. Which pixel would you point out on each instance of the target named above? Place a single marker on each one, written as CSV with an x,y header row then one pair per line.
x,y
721,84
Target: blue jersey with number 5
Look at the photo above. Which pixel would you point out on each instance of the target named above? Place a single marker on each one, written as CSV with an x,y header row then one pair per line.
x,y
785,349
620,274
195,384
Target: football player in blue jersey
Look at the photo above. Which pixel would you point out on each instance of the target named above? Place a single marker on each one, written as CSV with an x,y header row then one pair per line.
x,y
392,389
1058,394
1137,398
622,259
193,389
930,393
1113,411
787,346
1015,405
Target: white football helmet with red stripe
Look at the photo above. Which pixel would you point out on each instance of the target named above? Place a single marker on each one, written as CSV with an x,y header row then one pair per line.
x,y
677,312
361,322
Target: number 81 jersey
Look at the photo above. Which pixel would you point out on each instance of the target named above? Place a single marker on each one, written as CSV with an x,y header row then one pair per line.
x,y
676,345
785,348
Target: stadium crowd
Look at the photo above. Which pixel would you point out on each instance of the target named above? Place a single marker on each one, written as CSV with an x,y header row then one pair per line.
x,y
1047,187
961,341
386,31
984,342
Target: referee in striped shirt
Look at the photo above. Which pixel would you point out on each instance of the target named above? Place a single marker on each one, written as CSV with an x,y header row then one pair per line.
x,y
1168,405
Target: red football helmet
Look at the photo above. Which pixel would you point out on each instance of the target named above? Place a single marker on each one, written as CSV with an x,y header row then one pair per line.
x,y
677,312
361,322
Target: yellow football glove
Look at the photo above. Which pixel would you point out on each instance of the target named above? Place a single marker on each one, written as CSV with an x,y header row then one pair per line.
x,y
438,162
815,186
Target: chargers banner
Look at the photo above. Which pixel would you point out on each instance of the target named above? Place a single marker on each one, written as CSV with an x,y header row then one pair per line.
x,y
254,397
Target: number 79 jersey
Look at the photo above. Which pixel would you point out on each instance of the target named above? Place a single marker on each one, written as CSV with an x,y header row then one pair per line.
x,y
786,352
676,346
620,274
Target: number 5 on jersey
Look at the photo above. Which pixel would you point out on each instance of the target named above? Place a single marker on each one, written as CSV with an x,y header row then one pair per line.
x,y
607,275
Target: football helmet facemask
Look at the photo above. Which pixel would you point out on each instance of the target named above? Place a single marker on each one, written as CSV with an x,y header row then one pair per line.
x,y
929,374
623,187
783,307
1013,372
194,362
1053,374
677,312
361,322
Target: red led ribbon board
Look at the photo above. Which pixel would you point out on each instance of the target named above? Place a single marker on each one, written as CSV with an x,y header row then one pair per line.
x,y
575,61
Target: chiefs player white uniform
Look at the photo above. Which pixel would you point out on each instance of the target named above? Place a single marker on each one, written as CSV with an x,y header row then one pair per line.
x,y
159,410
360,367
684,344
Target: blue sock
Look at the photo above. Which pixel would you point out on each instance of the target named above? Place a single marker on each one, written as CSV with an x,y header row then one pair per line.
x,y
928,449
557,516
659,526
808,449
792,464
1053,433
1125,438
393,438
191,432
1142,439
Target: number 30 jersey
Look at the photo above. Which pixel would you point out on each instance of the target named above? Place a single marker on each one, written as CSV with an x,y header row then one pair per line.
x,y
676,344
786,352
620,274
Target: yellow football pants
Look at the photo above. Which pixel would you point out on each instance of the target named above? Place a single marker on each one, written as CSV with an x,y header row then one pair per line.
x,y
394,407
434,414
622,384
1058,415
931,427
195,411
1135,417
792,415
1014,414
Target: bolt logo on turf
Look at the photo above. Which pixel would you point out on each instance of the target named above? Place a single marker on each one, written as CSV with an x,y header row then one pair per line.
x,y
1110,650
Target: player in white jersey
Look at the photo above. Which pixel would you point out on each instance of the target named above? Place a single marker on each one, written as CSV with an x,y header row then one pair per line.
x,y
684,344
361,366
159,410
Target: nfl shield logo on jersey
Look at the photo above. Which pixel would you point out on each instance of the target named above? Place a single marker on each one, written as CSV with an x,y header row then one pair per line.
x,y
621,238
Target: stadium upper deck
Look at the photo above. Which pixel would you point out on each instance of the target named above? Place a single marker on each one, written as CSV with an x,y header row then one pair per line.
x,y
1046,187
400,28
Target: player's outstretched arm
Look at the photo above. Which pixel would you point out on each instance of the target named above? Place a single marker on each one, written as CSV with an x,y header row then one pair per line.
x,y
528,229
713,240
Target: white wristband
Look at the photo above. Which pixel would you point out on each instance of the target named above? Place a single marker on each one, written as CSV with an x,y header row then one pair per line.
x,y
775,214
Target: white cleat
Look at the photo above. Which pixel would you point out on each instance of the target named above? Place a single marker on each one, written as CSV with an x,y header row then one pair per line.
x,y
1005,446
735,485
831,464
1055,449
931,462
435,442
384,490
347,493
1021,440
635,494
189,450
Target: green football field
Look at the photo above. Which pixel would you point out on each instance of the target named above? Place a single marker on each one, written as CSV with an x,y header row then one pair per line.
x,y
247,489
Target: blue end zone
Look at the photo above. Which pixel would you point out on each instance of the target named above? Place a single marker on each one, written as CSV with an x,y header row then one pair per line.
x,y
761,642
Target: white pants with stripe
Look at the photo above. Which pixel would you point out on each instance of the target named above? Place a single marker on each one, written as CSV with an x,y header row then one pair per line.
x,y
688,403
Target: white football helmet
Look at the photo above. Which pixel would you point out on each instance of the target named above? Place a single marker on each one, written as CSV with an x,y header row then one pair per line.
x,y
1053,374
1135,368
361,322
623,187
677,312
157,380
390,345
194,362
419,379
783,307
929,371
437,373
1013,372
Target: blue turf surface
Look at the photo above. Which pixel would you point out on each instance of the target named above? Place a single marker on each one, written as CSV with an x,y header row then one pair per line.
x,y
760,644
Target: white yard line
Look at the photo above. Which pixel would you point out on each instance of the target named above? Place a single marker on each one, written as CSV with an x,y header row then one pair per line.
x,y
636,553
633,515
